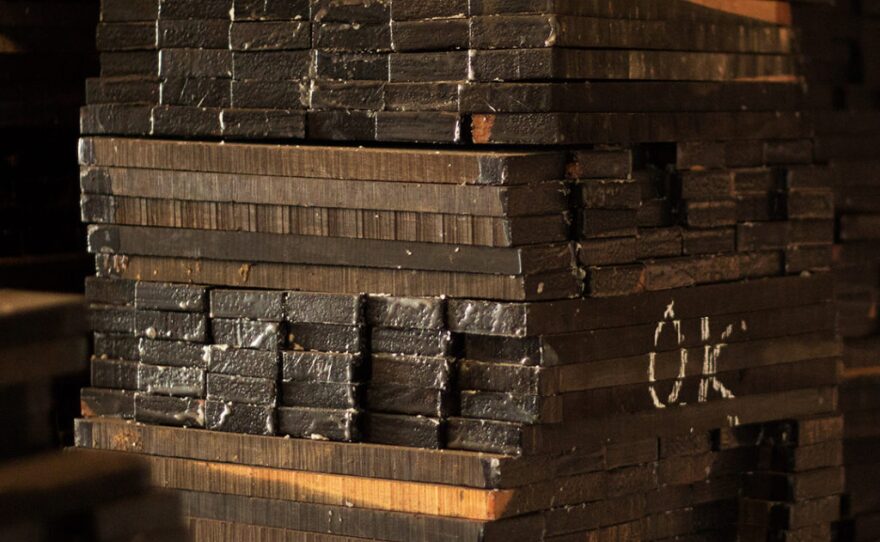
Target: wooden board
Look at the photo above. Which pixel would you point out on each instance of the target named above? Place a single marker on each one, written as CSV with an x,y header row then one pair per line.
x,y
373,493
538,31
741,410
352,163
629,97
761,11
182,184
396,463
290,249
358,522
340,279
598,345
532,319
593,128
631,64
325,221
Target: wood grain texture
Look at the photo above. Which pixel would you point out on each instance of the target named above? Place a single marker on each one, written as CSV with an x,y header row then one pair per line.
x,y
354,163
395,463
325,221
258,247
208,530
340,279
302,486
183,184
593,128
741,410
632,64
532,319
629,97
757,11
537,31
356,522
774,12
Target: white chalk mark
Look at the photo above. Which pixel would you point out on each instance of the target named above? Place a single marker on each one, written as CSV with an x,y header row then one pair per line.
x,y
670,310
709,381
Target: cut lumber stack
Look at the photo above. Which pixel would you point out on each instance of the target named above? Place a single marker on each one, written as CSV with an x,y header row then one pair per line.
x,y
449,72
618,325
46,49
845,50
64,496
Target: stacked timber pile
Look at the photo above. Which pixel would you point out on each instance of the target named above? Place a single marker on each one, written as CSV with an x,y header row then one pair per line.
x,y
618,326
62,496
443,72
845,46
46,49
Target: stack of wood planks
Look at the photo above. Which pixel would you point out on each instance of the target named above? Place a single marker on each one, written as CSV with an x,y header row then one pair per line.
x,y
454,71
618,325
844,51
62,496
46,49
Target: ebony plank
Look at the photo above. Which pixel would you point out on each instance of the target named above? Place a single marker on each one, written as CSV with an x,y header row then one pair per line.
x,y
416,431
251,304
170,297
241,389
303,366
172,353
319,423
166,410
221,359
239,417
327,395
110,239
243,333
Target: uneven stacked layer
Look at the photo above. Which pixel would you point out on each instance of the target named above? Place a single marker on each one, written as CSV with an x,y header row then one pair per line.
x,y
628,338
463,224
446,72
331,219
46,49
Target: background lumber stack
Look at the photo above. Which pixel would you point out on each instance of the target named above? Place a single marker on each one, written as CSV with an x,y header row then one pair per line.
x,y
75,495
44,355
845,60
599,306
46,49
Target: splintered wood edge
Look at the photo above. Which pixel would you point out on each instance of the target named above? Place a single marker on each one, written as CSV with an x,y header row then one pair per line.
x,y
481,128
